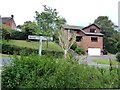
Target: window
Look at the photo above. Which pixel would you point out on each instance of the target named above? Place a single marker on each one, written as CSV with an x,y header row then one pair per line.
x,y
77,31
92,30
78,38
94,39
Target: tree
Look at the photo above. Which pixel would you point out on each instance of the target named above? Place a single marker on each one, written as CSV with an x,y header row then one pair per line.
x,y
49,21
108,29
65,41
5,31
29,28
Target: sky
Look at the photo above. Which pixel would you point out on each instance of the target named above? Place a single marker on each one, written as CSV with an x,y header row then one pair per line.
x,y
76,12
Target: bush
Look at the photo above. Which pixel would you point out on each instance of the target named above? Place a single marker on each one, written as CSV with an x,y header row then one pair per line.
x,y
79,50
50,72
74,46
12,49
118,57
17,35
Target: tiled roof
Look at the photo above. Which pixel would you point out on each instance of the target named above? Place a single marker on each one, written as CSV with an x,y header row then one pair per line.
x,y
5,19
72,27
81,28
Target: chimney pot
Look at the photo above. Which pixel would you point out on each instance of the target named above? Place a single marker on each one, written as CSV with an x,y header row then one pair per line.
x,y
12,16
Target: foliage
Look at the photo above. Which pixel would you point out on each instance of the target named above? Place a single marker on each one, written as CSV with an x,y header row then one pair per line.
x,y
49,72
49,21
110,34
17,35
118,56
29,27
79,50
5,32
12,49
74,46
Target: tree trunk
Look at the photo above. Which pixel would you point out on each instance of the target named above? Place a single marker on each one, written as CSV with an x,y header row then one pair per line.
x,y
65,53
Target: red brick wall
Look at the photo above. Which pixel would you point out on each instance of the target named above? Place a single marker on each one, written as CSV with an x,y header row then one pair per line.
x,y
8,23
86,43
86,39
93,26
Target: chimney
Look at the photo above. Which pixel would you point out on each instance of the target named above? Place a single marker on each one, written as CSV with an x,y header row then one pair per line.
x,y
12,16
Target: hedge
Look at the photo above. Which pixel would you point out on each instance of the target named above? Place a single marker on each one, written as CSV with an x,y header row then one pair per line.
x,y
12,49
35,72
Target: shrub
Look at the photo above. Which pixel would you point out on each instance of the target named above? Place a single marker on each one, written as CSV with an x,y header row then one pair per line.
x,y
118,56
79,50
12,49
17,35
74,46
51,72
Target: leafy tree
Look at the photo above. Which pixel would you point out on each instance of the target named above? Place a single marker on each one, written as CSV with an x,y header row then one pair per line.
x,y
110,34
29,28
49,21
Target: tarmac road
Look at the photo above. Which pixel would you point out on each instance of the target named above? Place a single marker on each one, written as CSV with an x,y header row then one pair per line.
x,y
4,61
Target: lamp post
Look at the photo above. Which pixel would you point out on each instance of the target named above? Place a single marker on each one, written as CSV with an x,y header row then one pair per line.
x,y
40,45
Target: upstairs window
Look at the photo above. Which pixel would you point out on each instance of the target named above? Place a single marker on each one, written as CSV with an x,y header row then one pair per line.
x,y
78,38
92,30
94,39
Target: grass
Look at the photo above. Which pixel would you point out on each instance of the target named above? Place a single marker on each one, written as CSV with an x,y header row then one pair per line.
x,y
35,44
6,55
101,61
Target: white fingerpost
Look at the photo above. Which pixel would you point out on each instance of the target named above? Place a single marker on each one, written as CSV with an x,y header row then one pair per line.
x,y
40,38
40,45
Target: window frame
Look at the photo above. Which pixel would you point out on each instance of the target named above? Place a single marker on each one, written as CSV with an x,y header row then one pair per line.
x,y
94,39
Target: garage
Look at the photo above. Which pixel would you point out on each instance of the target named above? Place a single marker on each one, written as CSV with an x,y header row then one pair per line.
x,y
94,51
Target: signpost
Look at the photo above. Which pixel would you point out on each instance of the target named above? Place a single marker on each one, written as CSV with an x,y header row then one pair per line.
x,y
40,38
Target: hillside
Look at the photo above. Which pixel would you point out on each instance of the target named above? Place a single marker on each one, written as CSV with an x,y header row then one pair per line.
x,y
35,44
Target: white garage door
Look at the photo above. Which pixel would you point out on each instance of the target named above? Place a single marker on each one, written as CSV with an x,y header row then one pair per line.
x,y
94,51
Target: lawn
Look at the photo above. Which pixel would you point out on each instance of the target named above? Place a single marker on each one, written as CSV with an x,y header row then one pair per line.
x,y
101,61
35,44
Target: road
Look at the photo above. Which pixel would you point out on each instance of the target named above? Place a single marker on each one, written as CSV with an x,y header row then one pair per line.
x,y
89,60
4,61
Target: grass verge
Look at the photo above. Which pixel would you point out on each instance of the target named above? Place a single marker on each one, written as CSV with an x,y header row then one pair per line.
x,y
101,61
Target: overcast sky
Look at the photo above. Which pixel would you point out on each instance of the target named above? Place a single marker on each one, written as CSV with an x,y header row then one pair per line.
x,y
76,12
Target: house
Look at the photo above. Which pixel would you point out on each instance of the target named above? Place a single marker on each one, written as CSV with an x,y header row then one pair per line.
x,y
88,37
8,21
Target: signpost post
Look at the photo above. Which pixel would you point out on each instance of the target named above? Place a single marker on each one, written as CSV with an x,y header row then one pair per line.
x,y
40,46
40,38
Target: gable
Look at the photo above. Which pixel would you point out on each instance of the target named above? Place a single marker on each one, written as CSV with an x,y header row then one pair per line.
x,y
91,26
91,29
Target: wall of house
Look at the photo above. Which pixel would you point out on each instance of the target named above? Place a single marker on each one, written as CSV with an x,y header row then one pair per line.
x,y
10,24
94,27
86,43
86,39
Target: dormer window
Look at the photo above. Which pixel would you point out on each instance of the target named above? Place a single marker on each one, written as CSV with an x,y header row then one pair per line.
x,y
93,30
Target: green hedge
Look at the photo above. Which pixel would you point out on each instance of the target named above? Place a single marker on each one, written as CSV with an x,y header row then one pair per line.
x,y
49,72
12,49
